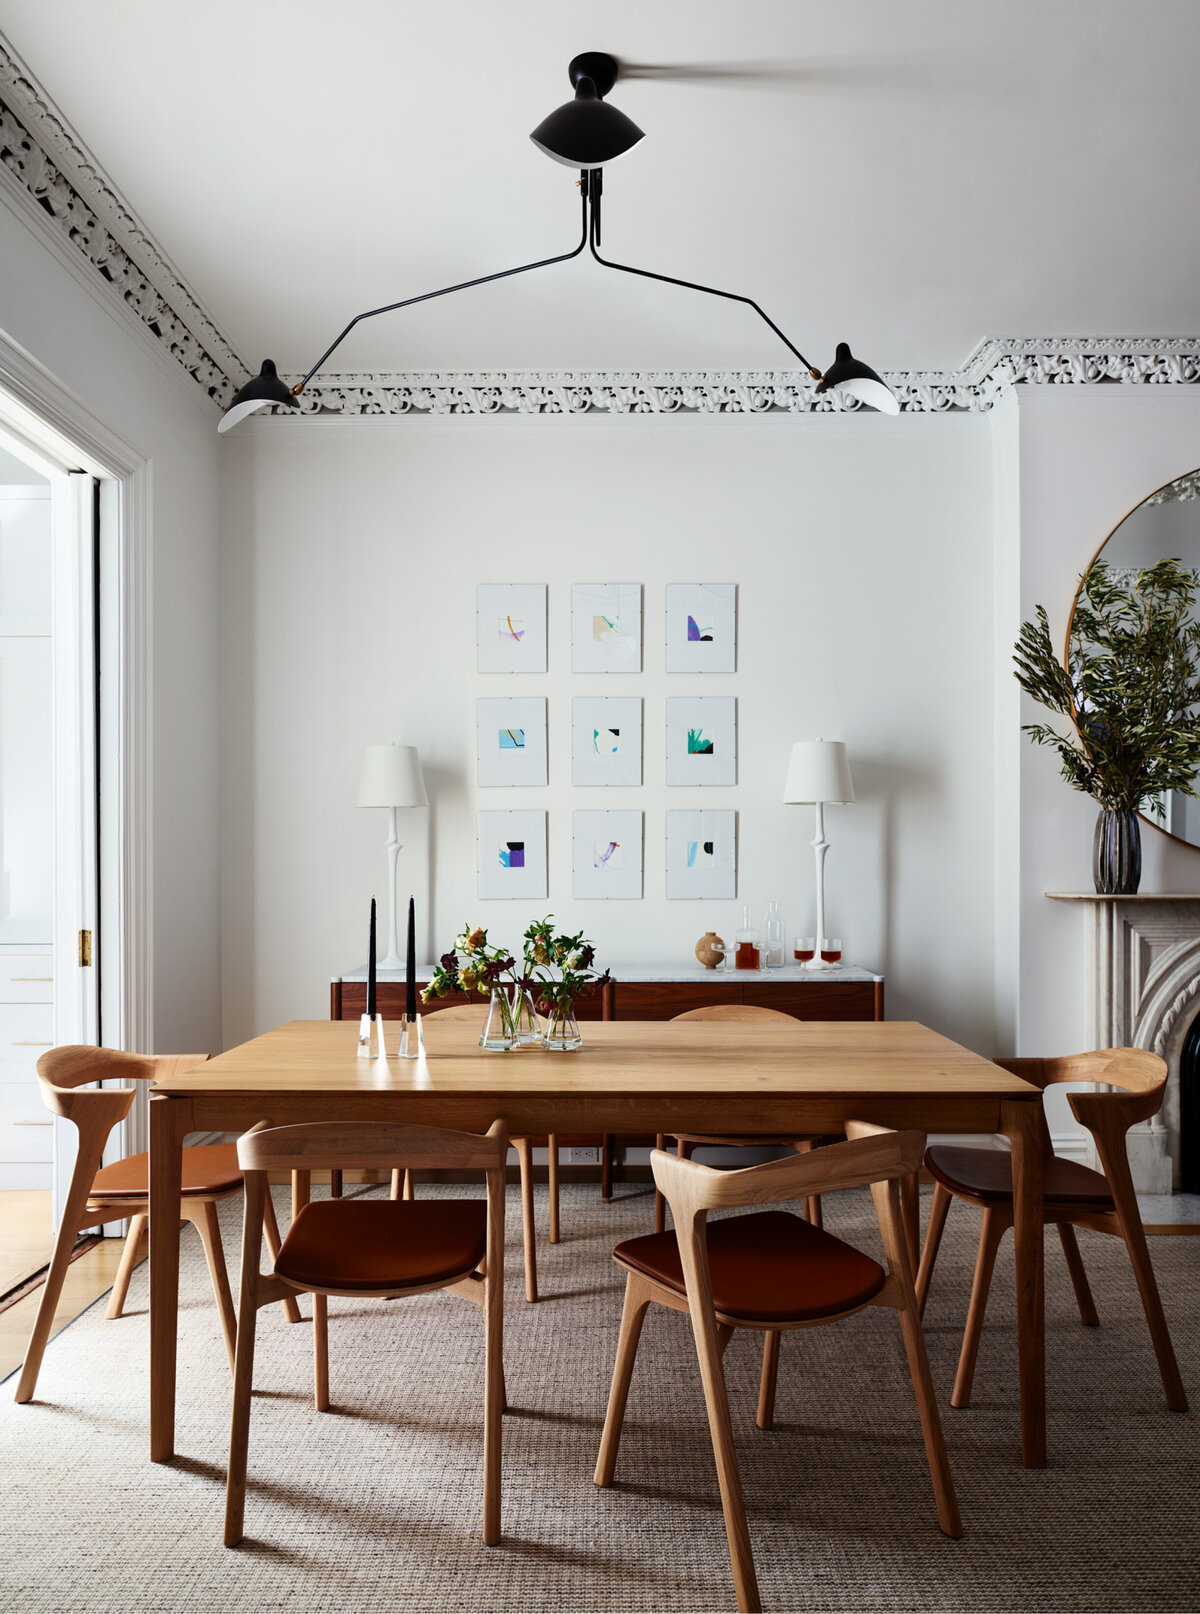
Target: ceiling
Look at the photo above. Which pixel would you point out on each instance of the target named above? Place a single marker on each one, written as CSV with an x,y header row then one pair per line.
x,y
911,178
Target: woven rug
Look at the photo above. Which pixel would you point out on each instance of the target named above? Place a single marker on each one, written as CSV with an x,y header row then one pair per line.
x,y
376,1505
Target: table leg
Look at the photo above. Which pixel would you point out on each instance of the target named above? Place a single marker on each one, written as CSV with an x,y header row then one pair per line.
x,y
1022,1124
170,1121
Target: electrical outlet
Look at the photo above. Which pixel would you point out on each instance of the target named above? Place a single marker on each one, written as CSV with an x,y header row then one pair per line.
x,y
583,1157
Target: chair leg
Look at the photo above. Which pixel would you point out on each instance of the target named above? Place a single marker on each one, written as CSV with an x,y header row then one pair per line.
x,y
204,1217
637,1298
1079,1281
995,1224
410,1183
129,1255
552,1171
1130,1222
766,1386
910,1209
660,1204
525,1156
733,1505
321,1352
291,1307
933,1240
931,1424
243,1369
335,1183
395,1189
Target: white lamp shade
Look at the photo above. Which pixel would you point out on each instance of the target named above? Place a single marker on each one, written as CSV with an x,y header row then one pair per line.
x,y
818,771
391,777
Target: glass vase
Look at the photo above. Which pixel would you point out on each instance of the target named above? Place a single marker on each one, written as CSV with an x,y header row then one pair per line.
x,y
1117,854
527,1028
499,1029
562,1032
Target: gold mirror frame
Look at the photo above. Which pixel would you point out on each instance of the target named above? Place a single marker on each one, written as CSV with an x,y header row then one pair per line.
x,y
1195,471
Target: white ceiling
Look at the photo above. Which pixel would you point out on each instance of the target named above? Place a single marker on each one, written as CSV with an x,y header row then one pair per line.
x,y
909,177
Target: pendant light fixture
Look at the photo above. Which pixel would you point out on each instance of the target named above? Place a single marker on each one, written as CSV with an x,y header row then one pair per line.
x,y
585,133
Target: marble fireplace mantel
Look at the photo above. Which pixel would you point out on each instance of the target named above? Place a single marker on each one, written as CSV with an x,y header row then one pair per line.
x,y
1143,985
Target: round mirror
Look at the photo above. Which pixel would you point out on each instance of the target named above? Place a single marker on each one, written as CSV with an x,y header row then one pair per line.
x,y
1166,526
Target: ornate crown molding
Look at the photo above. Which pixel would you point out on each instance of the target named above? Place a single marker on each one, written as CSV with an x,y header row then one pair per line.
x,y
74,200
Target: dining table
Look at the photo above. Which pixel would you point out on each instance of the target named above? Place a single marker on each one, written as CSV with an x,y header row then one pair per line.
x,y
743,1078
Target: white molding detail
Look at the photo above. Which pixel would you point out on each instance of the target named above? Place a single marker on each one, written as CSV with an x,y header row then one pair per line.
x,y
75,203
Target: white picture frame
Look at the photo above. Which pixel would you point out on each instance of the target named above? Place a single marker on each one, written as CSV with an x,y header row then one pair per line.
x,y
510,627
510,740
606,627
606,855
606,740
702,854
701,627
500,837
701,740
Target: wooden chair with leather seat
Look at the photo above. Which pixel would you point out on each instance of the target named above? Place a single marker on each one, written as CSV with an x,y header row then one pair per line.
x,y
773,1271
1074,1196
685,1142
386,1248
112,1193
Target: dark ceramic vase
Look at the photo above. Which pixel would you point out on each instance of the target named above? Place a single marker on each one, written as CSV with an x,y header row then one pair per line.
x,y
1117,854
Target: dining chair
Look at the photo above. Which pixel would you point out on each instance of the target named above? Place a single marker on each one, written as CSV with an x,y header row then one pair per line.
x,y
381,1248
99,1194
774,1272
1074,1196
685,1142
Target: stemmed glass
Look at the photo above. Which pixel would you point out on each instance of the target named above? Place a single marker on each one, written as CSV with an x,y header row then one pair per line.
x,y
804,949
831,949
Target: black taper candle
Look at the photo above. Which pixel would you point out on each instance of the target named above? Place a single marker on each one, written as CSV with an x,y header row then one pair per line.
x,y
371,965
410,976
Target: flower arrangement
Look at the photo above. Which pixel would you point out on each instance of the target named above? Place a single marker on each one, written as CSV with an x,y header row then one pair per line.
x,y
480,969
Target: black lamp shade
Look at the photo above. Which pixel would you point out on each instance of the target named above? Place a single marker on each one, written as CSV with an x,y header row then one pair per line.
x,y
586,132
850,375
263,389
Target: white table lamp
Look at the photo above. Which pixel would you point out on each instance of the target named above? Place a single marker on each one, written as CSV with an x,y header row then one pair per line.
x,y
391,778
819,772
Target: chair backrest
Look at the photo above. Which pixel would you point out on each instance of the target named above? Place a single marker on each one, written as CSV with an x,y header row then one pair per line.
x,y
1141,1076
733,1011
64,1071
353,1144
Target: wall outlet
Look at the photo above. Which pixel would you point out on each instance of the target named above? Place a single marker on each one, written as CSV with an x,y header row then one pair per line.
x,y
583,1157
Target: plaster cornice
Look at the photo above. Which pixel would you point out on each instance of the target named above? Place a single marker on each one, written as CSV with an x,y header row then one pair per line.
x,y
75,202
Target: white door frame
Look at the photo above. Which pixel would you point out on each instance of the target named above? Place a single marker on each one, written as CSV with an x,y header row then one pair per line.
x,y
38,408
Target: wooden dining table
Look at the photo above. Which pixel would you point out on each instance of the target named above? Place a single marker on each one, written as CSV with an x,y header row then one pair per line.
x,y
740,1077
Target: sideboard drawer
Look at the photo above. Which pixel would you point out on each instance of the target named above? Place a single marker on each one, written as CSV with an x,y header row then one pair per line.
x,y
663,1000
822,1000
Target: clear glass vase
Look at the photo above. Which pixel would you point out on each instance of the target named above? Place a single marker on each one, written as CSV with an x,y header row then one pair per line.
x,y
562,1032
527,1027
499,1029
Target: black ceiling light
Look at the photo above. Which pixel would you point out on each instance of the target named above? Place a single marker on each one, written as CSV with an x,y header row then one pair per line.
x,y
585,133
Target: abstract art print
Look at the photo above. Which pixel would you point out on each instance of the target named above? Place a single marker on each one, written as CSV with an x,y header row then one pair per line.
x,y
510,627
606,740
606,627
702,854
701,627
701,740
607,854
512,854
510,739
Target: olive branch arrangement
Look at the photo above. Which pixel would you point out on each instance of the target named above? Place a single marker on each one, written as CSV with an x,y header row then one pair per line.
x,y
1130,687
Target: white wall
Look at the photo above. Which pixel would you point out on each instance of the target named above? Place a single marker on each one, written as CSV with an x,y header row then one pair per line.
x,y
63,317
862,548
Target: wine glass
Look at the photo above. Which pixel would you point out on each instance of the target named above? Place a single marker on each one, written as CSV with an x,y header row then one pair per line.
x,y
831,949
804,949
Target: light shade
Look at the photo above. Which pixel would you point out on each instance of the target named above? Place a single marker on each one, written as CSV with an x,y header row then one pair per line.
x,y
819,771
850,375
586,132
259,392
391,777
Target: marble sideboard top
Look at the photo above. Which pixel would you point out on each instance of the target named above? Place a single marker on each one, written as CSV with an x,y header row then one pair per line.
x,y
671,972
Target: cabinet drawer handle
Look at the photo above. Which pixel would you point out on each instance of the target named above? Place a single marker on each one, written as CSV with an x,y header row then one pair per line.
x,y
30,980
31,1045
33,1123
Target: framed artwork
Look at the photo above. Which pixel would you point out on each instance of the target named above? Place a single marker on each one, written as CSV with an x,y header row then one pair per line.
x,y
606,740
607,854
701,627
606,627
510,739
510,627
511,849
702,740
702,854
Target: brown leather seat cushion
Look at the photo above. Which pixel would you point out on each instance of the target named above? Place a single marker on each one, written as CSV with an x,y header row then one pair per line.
x,y
987,1174
209,1168
357,1244
767,1267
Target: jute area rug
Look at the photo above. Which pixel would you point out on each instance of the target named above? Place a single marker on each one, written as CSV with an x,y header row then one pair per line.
x,y
376,1505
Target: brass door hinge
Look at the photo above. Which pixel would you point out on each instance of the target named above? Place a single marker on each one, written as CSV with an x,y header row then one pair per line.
x,y
85,949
